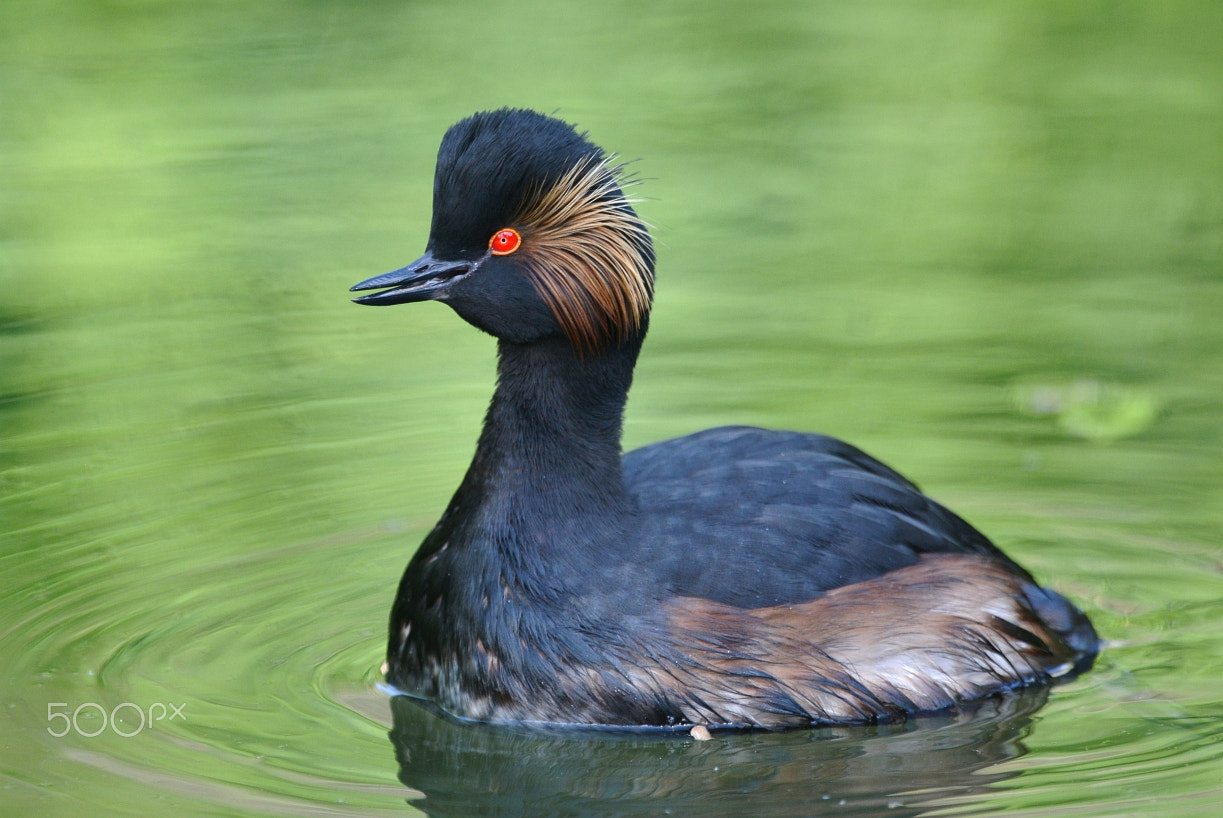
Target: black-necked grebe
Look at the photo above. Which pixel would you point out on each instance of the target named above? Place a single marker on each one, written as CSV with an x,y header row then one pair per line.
x,y
736,576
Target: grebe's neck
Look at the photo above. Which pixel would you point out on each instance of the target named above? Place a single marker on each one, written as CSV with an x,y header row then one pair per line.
x,y
549,453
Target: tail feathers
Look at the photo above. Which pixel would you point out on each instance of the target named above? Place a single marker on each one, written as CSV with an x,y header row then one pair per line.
x,y
1068,622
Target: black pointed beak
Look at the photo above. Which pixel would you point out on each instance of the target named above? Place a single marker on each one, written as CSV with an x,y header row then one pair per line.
x,y
422,280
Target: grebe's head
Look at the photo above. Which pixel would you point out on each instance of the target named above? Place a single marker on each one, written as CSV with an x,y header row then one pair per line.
x,y
532,237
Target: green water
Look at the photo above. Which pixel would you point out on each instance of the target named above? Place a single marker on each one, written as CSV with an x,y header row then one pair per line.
x,y
982,241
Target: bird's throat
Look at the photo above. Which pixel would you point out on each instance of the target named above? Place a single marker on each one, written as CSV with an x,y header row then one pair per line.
x,y
550,447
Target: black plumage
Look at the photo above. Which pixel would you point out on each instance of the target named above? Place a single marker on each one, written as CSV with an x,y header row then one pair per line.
x,y
736,576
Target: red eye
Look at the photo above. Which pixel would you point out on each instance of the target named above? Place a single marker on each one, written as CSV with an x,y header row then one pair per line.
x,y
504,242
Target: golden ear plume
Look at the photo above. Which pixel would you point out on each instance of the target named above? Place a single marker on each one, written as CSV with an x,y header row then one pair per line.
x,y
589,255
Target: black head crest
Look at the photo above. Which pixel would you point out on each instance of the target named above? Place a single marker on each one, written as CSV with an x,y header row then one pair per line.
x,y
584,248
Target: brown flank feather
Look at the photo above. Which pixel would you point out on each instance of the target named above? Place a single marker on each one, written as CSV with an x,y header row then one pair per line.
x,y
589,255
954,628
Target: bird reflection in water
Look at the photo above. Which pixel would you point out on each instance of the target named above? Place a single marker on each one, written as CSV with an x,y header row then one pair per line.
x,y
906,768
